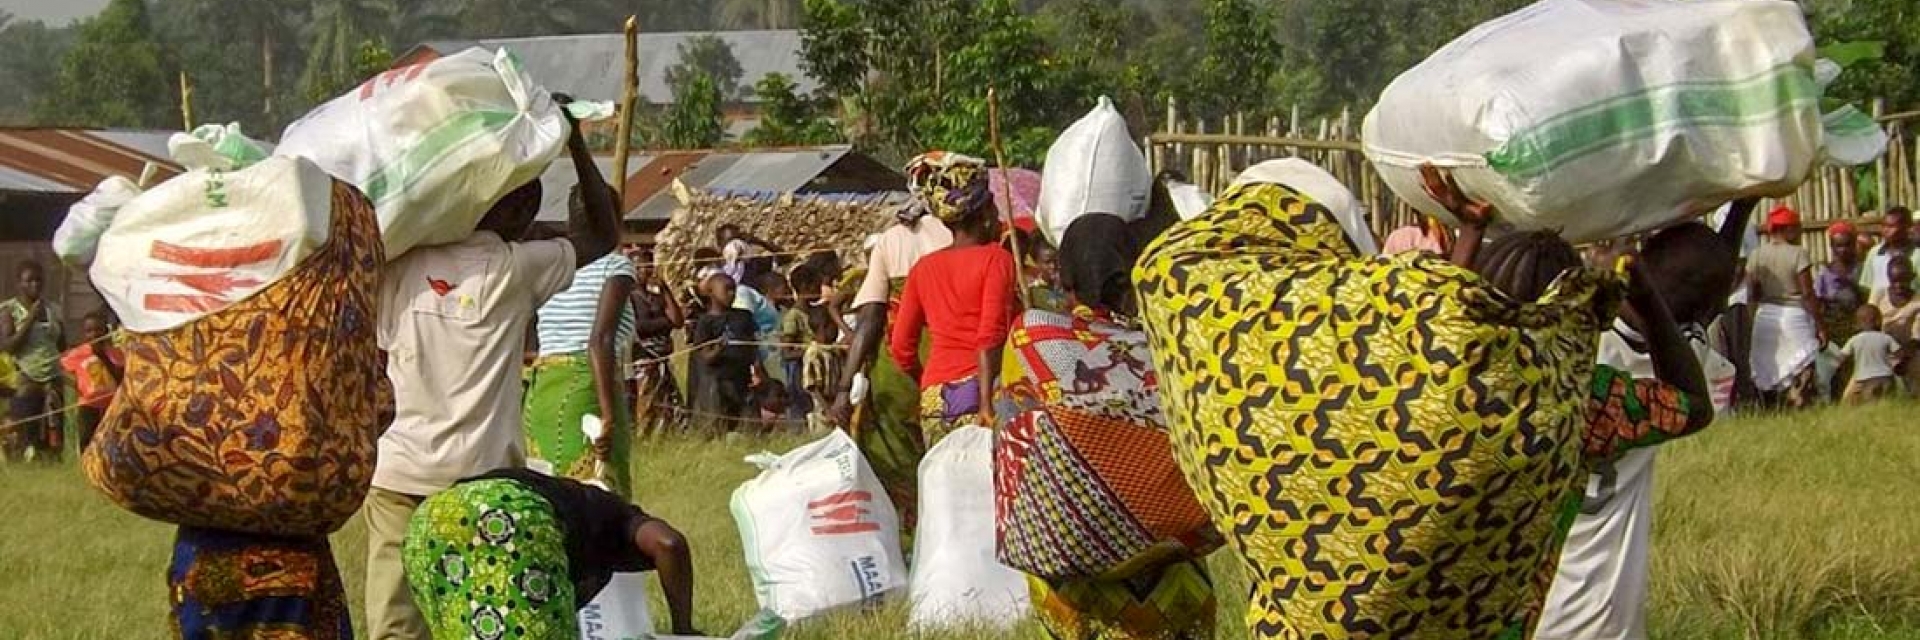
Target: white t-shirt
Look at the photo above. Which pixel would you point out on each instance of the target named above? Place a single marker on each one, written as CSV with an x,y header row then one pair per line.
x,y
894,255
1872,353
453,320
1600,590
1873,270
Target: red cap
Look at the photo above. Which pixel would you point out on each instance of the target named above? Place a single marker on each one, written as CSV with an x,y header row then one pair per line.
x,y
1782,216
1840,228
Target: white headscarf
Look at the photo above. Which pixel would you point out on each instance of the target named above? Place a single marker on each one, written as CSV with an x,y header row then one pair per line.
x,y
1314,182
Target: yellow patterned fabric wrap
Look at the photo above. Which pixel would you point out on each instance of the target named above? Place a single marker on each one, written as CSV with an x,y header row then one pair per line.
x,y
1388,443
258,418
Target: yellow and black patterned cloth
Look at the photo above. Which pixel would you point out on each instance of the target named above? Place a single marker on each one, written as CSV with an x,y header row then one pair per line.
x,y
1389,444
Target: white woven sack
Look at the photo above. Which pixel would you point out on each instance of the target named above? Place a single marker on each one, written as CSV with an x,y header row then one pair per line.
x,y
818,530
435,145
1093,167
1646,112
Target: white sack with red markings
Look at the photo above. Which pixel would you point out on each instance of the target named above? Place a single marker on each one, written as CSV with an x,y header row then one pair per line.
x,y
204,240
818,530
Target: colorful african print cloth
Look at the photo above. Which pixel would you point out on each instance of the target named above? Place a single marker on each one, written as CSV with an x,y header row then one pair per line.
x,y
950,186
1390,444
1626,413
944,408
224,585
487,559
1174,603
260,417
561,392
1086,485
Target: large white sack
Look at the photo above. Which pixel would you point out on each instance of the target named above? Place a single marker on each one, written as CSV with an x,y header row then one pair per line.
x,y
1093,167
435,145
818,530
958,580
204,240
619,612
1601,118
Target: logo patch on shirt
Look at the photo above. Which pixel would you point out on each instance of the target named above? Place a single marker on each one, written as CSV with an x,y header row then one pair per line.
x,y
440,287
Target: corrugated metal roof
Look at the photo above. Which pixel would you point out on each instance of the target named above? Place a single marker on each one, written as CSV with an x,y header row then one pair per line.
x,y
649,176
76,160
589,66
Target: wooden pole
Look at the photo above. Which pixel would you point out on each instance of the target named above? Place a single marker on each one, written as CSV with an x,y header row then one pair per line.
x,y
629,98
186,101
1006,194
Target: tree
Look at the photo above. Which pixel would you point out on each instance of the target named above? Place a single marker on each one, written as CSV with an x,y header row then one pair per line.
x,y
30,54
236,52
1241,54
113,76
520,18
710,56
1895,75
346,34
694,120
756,14
787,118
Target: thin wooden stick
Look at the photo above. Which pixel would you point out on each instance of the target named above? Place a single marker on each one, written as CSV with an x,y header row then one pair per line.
x,y
1006,195
629,98
186,101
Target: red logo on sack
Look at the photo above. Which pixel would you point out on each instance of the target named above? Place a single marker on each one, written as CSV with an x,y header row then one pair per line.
x,y
841,514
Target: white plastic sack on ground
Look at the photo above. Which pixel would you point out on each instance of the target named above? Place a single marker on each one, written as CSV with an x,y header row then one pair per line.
x,y
435,145
957,579
1644,113
619,612
215,146
78,237
204,240
818,530
1093,167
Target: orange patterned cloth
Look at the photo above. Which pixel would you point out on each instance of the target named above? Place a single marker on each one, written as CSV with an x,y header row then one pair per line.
x,y
1624,413
259,418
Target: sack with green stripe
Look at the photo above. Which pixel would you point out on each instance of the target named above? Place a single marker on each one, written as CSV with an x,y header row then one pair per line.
x,y
1602,118
435,144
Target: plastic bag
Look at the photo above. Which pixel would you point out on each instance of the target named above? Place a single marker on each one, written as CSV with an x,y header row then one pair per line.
x,y
619,612
957,580
435,145
78,237
214,146
1093,167
205,239
1646,113
818,530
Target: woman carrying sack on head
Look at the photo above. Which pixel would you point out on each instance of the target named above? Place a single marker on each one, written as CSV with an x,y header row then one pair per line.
x,y
1088,373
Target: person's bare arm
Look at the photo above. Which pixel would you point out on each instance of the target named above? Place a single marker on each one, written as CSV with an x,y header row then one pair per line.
x,y
673,560
1474,216
1733,230
871,331
602,344
1674,362
1804,281
594,228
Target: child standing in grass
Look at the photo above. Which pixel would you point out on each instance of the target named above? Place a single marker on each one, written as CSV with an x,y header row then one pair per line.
x,y
1873,354
96,367
726,360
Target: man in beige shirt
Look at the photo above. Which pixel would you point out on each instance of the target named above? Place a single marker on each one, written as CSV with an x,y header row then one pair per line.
x,y
452,320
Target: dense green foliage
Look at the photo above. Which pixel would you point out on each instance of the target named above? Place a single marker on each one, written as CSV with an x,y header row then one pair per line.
x,y
896,76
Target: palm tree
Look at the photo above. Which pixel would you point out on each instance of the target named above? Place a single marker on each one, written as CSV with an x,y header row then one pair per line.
x,y
515,18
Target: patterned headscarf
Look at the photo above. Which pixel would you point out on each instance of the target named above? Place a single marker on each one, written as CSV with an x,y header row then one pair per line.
x,y
950,186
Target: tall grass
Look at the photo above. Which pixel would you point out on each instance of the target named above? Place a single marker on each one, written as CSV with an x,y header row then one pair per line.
x,y
1792,526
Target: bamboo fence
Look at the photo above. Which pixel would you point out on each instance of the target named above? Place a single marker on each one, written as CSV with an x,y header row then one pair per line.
x,y
1211,153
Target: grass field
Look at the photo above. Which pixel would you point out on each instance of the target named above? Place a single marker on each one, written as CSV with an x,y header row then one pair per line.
x,y
1802,526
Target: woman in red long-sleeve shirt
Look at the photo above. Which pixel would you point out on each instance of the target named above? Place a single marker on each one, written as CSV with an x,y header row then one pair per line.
x,y
962,295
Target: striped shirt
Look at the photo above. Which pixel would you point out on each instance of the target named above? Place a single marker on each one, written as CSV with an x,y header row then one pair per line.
x,y
566,322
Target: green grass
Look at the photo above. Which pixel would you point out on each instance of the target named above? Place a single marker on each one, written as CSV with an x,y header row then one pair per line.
x,y
1801,526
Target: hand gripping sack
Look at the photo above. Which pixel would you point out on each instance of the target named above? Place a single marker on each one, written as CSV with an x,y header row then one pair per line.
x,y
208,239
1387,444
259,417
435,145
1645,113
818,530
1085,482
1093,167
956,580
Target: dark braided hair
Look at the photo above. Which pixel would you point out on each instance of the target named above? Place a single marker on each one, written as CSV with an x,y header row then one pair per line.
x,y
1522,265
